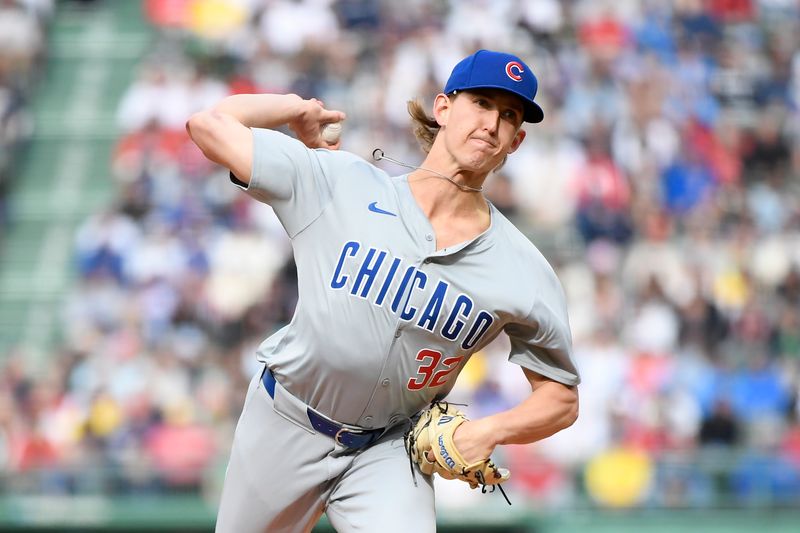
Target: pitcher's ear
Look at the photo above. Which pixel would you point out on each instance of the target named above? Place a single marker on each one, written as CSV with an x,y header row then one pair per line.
x,y
518,138
441,108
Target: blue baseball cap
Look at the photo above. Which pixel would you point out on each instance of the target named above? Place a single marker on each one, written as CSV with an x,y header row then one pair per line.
x,y
486,69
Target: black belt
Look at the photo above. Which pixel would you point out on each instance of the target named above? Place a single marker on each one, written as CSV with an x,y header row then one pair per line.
x,y
344,435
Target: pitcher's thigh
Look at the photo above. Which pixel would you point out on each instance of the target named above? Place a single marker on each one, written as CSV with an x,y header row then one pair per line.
x,y
274,473
377,493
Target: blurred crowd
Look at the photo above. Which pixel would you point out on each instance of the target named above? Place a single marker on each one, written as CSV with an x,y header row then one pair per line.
x,y
663,186
23,24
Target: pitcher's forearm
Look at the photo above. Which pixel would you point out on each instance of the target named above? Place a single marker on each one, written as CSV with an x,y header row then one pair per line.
x,y
262,110
548,410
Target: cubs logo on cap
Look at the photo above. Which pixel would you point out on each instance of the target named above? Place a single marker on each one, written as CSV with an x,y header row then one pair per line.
x,y
514,69
486,69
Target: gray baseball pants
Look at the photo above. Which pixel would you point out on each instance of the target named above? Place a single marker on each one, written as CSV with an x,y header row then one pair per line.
x,y
282,475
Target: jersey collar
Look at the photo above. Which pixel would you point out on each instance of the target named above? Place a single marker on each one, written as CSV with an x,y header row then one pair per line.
x,y
420,227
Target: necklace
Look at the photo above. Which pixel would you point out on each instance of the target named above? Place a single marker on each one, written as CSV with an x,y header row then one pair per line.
x,y
378,154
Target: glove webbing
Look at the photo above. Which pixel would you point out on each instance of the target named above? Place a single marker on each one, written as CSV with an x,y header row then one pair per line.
x,y
411,440
409,437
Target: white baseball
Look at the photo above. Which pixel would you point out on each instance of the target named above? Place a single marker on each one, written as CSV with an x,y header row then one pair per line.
x,y
331,132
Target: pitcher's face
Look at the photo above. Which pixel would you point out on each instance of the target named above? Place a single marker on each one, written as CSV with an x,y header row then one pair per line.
x,y
481,127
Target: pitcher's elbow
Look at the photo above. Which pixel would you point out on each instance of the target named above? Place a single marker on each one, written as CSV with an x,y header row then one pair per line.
x,y
202,128
571,409
198,125
573,414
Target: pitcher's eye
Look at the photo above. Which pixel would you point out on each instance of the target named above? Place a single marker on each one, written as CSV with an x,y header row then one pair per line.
x,y
510,114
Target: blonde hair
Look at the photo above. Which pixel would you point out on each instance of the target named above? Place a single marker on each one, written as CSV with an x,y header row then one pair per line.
x,y
425,127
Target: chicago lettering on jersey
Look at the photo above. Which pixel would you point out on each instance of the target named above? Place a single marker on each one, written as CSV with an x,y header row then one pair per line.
x,y
376,273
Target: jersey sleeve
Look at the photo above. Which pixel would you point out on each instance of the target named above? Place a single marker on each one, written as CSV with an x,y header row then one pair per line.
x,y
542,341
295,180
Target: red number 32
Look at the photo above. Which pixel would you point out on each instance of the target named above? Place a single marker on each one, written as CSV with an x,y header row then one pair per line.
x,y
426,377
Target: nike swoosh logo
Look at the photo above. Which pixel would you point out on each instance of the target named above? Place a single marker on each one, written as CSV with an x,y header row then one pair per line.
x,y
375,209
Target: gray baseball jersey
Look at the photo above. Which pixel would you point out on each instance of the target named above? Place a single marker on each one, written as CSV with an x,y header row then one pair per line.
x,y
385,321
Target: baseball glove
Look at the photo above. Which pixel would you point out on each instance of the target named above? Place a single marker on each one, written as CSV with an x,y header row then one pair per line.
x,y
433,433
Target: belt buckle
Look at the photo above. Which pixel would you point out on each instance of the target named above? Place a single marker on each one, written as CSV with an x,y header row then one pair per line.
x,y
337,438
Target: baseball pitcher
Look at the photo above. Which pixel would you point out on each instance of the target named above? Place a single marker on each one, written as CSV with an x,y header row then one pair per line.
x,y
401,279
